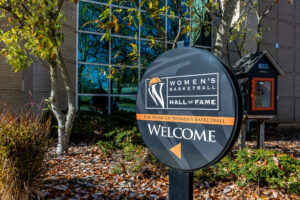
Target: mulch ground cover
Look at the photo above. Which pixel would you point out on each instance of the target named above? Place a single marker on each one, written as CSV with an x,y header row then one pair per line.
x,y
85,173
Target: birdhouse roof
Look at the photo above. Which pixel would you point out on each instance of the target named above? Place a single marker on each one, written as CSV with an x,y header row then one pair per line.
x,y
243,65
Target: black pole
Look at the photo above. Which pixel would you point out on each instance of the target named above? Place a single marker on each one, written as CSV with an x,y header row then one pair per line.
x,y
180,185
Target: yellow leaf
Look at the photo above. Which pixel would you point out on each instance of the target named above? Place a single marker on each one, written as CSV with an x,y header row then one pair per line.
x,y
9,19
53,53
101,25
110,25
3,53
117,28
115,19
86,23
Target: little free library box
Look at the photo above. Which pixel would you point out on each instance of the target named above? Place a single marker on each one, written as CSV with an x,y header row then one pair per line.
x,y
257,75
189,108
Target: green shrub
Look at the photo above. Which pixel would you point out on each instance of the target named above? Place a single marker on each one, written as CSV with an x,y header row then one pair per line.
x,y
260,166
119,138
88,126
23,147
131,143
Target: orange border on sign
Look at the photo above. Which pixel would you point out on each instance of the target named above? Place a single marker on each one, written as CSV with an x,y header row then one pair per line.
x,y
187,119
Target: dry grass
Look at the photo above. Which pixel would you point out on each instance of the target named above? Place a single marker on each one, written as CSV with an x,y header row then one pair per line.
x,y
23,147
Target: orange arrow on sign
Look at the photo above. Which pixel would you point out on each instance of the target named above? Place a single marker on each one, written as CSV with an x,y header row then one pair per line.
x,y
177,150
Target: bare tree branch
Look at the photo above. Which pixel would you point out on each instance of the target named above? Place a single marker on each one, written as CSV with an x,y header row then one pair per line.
x,y
178,7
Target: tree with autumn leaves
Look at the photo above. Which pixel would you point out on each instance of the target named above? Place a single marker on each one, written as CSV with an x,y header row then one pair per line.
x,y
34,30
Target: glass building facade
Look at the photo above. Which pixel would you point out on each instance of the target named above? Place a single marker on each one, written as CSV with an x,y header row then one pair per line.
x,y
97,59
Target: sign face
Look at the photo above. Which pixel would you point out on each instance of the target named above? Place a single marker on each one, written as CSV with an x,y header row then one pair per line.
x,y
189,108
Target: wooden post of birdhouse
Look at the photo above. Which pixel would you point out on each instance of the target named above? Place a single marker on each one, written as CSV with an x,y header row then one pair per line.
x,y
242,135
261,133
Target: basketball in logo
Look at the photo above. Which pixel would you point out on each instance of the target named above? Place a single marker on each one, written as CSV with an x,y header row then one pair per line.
x,y
155,91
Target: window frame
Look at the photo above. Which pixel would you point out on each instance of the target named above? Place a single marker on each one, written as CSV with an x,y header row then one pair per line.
x,y
139,39
272,106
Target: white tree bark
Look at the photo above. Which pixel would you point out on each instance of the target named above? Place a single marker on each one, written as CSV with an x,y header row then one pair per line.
x,y
223,29
65,121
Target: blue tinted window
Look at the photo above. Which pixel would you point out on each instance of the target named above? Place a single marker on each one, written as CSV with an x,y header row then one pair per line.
x,y
125,28
101,1
123,104
177,6
127,3
92,49
173,27
121,49
93,103
201,35
152,27
149,53
147,6
88,13
125,80
92,79
118,52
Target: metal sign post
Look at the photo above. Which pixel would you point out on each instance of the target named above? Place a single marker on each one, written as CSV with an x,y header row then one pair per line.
x,y
180,185
189,113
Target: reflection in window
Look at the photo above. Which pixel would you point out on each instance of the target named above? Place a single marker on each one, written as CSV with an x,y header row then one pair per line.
x,y
125,81
125,28
145,6
173,26
152,27
262,94
93,103
92,79
88,13
148,53
121,49
92,49
174,9
127,3
124,50
123,104
142,71
201,35
103,1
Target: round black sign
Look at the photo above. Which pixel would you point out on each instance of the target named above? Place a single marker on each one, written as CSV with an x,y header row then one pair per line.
x,y
189,108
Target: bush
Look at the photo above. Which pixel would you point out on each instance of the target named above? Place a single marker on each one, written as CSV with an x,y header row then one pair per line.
x,y
90,126
260,166
119,138
23,147
131,143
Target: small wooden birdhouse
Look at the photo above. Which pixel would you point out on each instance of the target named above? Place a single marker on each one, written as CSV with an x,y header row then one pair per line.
x,y
257,76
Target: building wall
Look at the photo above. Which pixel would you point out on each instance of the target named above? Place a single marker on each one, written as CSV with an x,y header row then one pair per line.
x,y
282,27
14,86
37,78
10,85
10,82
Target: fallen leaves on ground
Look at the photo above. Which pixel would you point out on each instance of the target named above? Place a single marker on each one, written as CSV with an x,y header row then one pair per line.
x,y
85,173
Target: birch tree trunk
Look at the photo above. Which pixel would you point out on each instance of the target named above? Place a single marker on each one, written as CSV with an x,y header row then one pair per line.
x,y
223,30
65,121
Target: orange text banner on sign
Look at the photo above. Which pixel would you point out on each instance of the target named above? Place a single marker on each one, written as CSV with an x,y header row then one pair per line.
x,y
187,119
